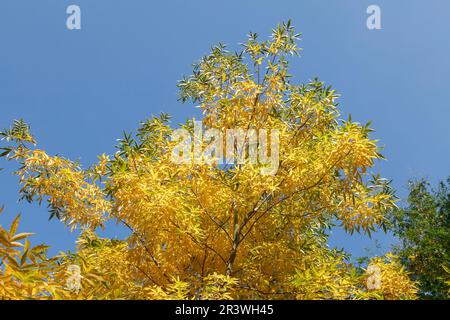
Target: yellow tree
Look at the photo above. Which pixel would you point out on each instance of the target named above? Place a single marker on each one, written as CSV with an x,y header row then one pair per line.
x,y
206,229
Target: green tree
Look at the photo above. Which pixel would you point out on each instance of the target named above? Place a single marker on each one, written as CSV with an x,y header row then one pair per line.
x,y
424,229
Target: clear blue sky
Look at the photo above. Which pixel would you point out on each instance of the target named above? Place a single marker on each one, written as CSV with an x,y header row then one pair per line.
x,y
80,89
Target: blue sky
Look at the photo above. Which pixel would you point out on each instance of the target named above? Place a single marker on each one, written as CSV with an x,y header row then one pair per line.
x,y
80,89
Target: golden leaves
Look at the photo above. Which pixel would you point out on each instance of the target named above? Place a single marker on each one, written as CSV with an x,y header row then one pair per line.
x,y
72,198
394,281
214,232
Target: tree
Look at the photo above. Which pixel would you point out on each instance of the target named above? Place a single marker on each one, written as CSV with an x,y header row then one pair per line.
x,y
223,231
424,230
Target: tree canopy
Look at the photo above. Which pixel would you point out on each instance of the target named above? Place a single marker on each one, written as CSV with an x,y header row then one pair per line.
x,y
204,231
423,227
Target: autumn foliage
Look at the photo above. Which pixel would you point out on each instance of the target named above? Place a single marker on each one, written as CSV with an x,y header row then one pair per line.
x,y
198,231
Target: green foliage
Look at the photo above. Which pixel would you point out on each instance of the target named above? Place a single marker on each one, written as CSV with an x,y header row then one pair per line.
x,y
19,134
424,229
